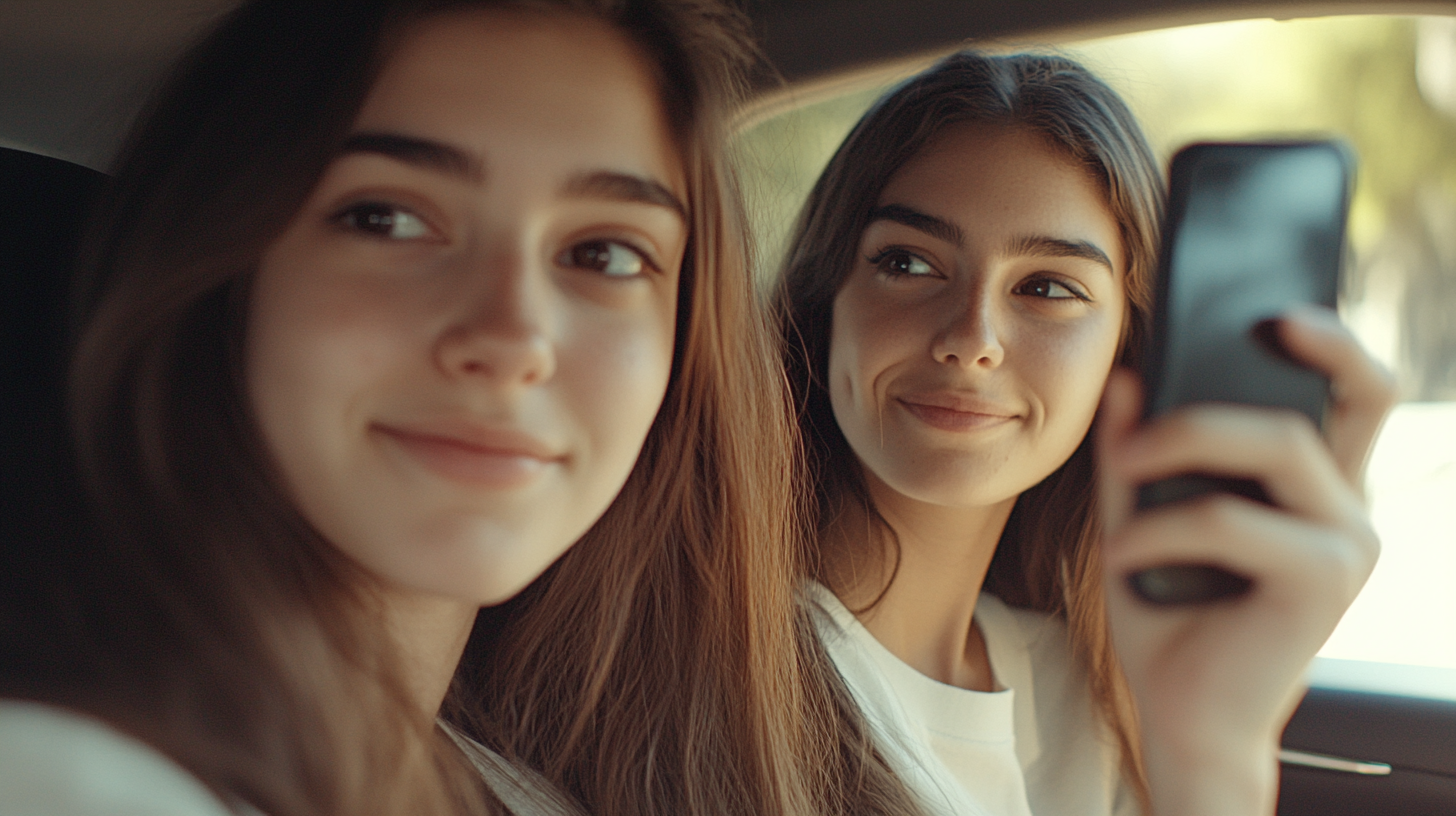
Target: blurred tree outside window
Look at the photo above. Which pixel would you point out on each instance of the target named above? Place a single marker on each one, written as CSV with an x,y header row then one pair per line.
x,y
1387,85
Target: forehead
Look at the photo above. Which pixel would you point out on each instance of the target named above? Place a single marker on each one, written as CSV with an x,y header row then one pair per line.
x,y
553,86
987,177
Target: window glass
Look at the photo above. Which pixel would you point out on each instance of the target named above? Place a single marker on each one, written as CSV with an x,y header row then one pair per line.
x,y
1385,84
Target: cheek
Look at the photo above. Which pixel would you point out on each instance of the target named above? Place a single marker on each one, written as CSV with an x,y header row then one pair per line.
x,y
317,332
1070,368
865,341
845,358
318,341
613,373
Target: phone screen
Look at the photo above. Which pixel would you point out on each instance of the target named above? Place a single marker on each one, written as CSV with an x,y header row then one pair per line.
x,y
1252,230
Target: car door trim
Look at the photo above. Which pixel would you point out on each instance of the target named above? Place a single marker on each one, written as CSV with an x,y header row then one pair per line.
x,y
1305,759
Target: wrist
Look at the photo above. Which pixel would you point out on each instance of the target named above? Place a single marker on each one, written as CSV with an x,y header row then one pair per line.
x,y
1212,780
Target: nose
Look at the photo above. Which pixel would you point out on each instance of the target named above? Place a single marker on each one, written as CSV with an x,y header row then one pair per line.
x,y
499,331
971,336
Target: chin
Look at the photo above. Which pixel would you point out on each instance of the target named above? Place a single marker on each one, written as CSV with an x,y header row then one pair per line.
x,y
482,584
481,565
495,580
962,496
958,483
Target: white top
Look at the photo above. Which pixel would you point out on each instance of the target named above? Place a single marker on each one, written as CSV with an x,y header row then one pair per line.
x,y
58,762
1036,747
55,762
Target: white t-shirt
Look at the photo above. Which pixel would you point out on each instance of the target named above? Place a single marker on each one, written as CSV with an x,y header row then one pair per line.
x,y
55,762
1035,748
58,762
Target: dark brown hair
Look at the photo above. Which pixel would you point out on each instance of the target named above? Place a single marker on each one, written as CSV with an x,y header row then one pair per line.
x,y
1047,558
659,667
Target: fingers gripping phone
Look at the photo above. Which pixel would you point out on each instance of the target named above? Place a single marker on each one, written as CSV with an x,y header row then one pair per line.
x,y
1252,229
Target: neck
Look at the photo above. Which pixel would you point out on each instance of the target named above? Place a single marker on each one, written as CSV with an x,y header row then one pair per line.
x,y
429,633
924,616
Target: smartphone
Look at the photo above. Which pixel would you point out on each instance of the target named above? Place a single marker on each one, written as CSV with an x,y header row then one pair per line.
x,y
1251,230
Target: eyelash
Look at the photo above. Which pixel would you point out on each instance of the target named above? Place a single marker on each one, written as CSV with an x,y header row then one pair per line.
x,y
568,257
366,217
1076,293
377,219
878,260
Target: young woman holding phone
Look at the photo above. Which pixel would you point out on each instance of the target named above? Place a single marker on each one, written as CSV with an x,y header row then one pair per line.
x,y
970,277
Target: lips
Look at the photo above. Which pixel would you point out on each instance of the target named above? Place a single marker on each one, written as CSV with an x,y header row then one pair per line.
x,y
473,455
956,411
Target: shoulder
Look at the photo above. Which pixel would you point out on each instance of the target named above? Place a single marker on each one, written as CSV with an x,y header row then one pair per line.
x,y
868,669
832,621
55,762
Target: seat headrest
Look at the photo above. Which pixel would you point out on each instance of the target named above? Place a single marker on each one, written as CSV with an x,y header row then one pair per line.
x,y
45,202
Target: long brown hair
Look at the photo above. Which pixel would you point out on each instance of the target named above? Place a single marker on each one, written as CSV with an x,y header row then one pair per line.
x,y
212,620
659,667
664,665
1047,557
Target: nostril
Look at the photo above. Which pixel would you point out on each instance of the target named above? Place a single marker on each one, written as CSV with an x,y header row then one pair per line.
x,y
472,366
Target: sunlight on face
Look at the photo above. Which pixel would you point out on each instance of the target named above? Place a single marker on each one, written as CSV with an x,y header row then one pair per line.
x,y
457,347
972,338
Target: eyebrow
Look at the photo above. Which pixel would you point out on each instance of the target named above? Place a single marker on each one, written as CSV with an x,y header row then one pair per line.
x,y
452,161
625,187
425,153
1047,247
1037,245
915,219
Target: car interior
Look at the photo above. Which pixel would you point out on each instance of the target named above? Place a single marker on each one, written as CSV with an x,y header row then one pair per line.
x,y
1376,733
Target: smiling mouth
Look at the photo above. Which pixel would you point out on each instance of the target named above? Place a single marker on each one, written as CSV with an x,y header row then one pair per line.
x,y
954,419
496,461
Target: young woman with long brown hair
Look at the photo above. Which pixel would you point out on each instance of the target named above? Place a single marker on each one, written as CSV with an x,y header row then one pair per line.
x,y
391,304
969,274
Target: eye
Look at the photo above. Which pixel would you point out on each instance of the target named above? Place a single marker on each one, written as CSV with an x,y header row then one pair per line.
x,y
898,263
383,221
610,258
1050,289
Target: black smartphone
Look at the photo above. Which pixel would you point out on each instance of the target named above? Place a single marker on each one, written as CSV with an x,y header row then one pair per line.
x,y
1251,230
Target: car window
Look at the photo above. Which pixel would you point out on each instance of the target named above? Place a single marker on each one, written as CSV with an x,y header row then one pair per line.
x,y
1385,84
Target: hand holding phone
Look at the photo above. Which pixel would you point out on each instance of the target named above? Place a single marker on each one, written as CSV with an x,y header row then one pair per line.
x,y
1253,229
